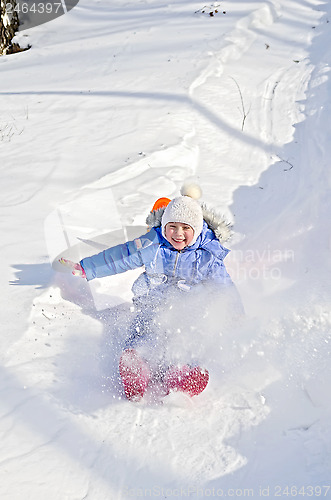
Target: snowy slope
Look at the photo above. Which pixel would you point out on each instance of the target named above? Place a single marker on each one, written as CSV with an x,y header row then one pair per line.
x,y
115,105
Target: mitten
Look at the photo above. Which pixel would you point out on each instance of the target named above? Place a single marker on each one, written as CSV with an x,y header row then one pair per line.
x,y
77,269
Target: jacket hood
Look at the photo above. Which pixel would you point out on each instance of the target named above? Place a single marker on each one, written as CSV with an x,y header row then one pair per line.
x,y
216,222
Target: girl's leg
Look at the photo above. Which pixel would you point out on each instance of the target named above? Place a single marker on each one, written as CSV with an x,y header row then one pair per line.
x,y
135,374
192,380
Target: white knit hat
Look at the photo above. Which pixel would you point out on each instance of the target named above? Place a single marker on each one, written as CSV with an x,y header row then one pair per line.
x,y
186,210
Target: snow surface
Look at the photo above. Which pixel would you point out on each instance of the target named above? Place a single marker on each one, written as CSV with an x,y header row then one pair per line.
x,y
116,104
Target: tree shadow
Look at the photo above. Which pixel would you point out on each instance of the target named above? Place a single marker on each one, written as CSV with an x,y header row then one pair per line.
x,y
202,109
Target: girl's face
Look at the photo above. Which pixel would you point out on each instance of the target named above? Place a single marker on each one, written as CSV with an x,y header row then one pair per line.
x,y
178,234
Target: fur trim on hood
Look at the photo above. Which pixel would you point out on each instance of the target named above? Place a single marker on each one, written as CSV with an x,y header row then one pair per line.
x,y
215,222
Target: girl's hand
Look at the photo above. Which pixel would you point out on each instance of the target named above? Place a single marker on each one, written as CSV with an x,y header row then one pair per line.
x,y
77,269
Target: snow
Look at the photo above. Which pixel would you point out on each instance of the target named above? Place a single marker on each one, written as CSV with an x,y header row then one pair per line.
x,y
116,104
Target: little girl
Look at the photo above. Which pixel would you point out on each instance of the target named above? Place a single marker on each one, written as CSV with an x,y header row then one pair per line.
x,y
181,252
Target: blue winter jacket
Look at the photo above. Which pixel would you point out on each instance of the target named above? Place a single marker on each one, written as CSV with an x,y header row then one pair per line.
x,y
199,263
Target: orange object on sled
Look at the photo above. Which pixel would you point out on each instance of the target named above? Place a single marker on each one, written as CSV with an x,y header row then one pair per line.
x,y
160,203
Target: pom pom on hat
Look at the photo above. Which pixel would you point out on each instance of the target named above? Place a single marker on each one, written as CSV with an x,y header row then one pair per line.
x,y
185,209
192,190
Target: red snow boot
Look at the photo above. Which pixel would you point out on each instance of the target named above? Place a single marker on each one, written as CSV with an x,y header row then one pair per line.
x,y
186,379
135,374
